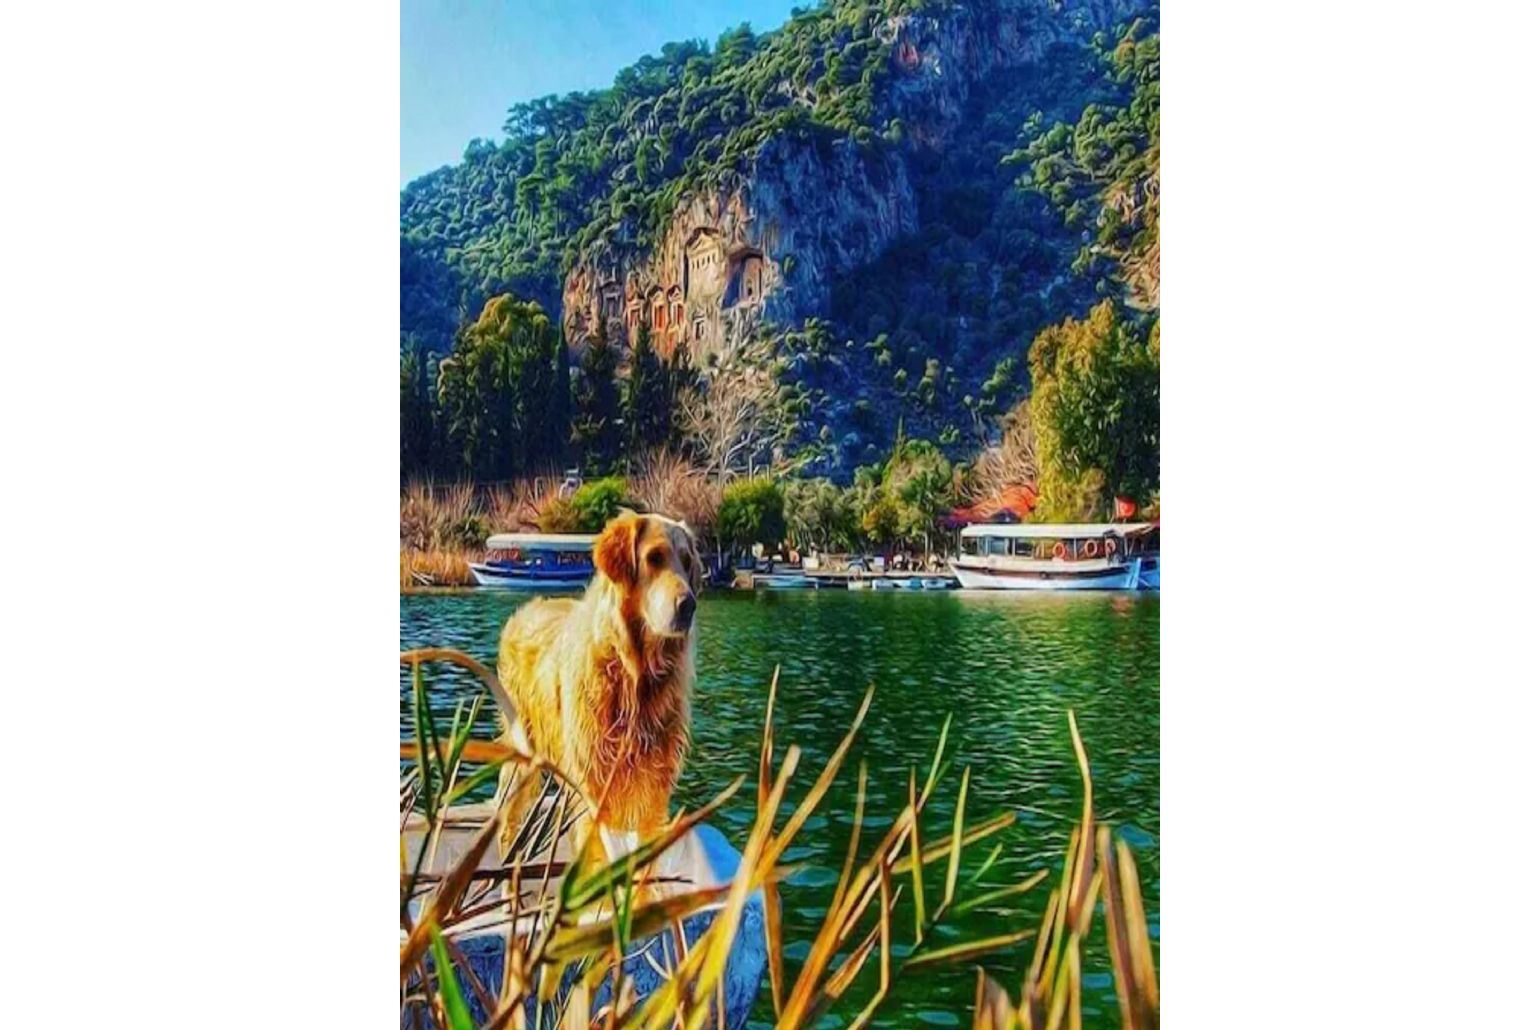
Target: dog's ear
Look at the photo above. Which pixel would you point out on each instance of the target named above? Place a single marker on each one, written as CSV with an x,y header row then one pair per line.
x,y
615,550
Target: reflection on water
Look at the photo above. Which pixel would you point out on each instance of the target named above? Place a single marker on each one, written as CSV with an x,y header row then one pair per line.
x,y
1005,666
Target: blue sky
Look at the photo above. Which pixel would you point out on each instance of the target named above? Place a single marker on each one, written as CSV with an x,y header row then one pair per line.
x,y
463,62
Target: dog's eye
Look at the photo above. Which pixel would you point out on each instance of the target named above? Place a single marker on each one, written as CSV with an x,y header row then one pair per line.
x,y
655,559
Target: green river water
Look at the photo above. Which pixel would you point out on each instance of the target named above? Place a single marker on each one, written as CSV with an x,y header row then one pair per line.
x,y
1007,667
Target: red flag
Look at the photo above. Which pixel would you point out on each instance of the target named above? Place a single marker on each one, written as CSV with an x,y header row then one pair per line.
x,y
1123,508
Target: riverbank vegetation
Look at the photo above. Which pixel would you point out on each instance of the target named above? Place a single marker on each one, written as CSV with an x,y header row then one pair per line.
x,y
887,916
1088,433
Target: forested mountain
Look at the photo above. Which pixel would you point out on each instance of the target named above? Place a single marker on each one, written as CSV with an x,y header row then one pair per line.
x,y
865,217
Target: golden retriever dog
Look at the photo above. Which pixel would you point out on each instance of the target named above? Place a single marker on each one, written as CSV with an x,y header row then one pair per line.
x,y
601,684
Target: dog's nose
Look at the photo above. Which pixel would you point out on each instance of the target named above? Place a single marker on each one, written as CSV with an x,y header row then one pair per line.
x,y
684,614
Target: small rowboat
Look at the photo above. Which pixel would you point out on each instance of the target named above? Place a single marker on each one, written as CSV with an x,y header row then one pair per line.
x,y
703,858
928,581
784,581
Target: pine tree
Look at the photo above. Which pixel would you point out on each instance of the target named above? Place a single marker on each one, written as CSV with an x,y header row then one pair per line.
x,y
596,423
648,402
496,390
417,443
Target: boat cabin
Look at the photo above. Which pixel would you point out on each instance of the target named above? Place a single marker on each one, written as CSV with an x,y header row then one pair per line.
x,y
1064,542
536,560
1066,556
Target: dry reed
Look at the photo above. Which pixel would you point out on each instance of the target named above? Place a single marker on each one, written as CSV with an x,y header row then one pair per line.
x,y
670,485
568,936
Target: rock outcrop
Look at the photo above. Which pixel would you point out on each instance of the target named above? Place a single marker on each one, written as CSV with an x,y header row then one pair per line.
x,y
767,246
763,247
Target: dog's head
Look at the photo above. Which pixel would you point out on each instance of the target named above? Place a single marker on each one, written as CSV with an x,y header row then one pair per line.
x,y
653,562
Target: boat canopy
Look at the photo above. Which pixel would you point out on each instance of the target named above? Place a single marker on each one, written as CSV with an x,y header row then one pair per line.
x,y
541,541
1058,531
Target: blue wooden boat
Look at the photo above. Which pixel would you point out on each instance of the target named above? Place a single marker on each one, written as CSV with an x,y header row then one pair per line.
x,y
1048,556
705,858
537,561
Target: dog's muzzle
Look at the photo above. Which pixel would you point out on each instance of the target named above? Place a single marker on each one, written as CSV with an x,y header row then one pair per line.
x,y
684,613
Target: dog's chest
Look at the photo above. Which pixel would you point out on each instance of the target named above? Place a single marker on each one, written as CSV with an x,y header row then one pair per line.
x,y
635,719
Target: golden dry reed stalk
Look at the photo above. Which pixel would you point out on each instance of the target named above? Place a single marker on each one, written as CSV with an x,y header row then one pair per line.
x,y
557,916
1051,993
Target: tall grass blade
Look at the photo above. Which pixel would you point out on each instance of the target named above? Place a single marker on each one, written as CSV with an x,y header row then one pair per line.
x,y
767,743
955,862
458,1013
917,868
989,863
1083,856
980,900
427,748
935,763
966,950
987,828
775,958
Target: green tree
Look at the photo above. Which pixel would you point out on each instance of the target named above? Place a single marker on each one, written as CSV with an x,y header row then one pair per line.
x,y
561,400
1103,172
819,515
496,390
881,520
919,478
753,511
417,436
1095,409
648,404
596,423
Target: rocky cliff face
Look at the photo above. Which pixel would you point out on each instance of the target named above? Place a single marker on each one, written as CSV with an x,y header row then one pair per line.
x,y
937,58
766,247
762,248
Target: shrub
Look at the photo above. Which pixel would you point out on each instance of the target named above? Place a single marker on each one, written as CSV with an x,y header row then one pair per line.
x,y
753,512
466,532
559,516
598,501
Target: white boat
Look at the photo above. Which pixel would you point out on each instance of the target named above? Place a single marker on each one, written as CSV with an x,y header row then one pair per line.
x,y
1047,556
537,561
